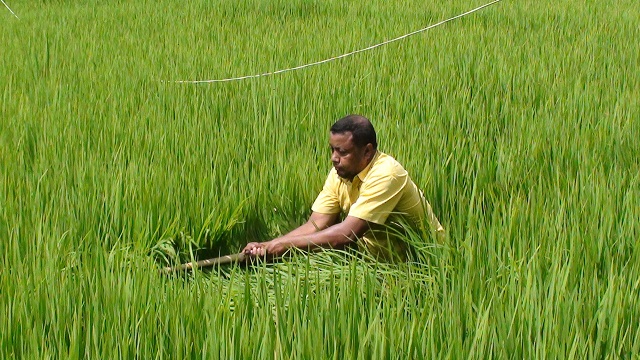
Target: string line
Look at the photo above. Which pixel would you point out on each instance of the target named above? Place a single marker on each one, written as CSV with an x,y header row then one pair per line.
x,y
7,6
340,56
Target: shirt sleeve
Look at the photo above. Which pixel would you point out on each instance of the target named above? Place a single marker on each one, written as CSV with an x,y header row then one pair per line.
x,y
327,201
379,195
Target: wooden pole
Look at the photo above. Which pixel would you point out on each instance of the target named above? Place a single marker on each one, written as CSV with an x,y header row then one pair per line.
x,y
227,259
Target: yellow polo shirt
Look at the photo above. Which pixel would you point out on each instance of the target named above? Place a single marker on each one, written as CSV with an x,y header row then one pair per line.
x,y
381,193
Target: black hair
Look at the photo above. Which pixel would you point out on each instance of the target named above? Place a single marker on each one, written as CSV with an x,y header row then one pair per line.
x,y
360,128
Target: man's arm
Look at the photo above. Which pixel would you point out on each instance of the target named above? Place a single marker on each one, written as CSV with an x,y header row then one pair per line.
x,y
332,236
316,222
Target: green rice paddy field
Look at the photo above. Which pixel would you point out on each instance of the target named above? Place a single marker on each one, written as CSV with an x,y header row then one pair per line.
x,y
520,122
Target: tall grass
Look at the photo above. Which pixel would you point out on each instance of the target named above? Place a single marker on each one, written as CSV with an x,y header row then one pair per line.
x,y
520,123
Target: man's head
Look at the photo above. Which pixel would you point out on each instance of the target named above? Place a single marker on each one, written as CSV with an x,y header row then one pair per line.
x,y
353,145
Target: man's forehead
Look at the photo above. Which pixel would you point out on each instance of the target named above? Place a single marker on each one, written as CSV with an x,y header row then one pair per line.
x,y
341,139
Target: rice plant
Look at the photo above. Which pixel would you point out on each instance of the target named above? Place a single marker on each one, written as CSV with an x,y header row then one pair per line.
x,y
519,123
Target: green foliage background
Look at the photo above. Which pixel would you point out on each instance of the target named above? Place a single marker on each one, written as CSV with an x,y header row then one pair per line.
x,y
520,123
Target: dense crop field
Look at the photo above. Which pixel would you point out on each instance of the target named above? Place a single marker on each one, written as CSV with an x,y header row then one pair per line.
x,y
520,122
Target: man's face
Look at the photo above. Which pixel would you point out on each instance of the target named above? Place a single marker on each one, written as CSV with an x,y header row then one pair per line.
x,y
347,158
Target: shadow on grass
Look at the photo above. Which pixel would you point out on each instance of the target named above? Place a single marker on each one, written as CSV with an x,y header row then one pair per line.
x,y
182,247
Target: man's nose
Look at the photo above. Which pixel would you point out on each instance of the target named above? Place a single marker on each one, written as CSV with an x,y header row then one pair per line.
x,y
334,158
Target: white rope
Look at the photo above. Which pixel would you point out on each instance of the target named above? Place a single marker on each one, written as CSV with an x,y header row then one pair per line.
x,y
7,6
341,56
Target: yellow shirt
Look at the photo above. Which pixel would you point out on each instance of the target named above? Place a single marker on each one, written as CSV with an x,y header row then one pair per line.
x,y
382,191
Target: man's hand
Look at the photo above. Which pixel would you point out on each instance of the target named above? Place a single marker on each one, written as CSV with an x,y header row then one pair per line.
x,y
254,249
274,247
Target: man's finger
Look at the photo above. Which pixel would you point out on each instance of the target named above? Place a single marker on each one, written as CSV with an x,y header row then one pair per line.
x,y
257,251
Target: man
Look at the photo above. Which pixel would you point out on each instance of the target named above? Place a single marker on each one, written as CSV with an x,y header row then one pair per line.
x,y
371,188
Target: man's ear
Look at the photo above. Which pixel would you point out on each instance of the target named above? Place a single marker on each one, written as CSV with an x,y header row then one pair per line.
x,y
369,151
